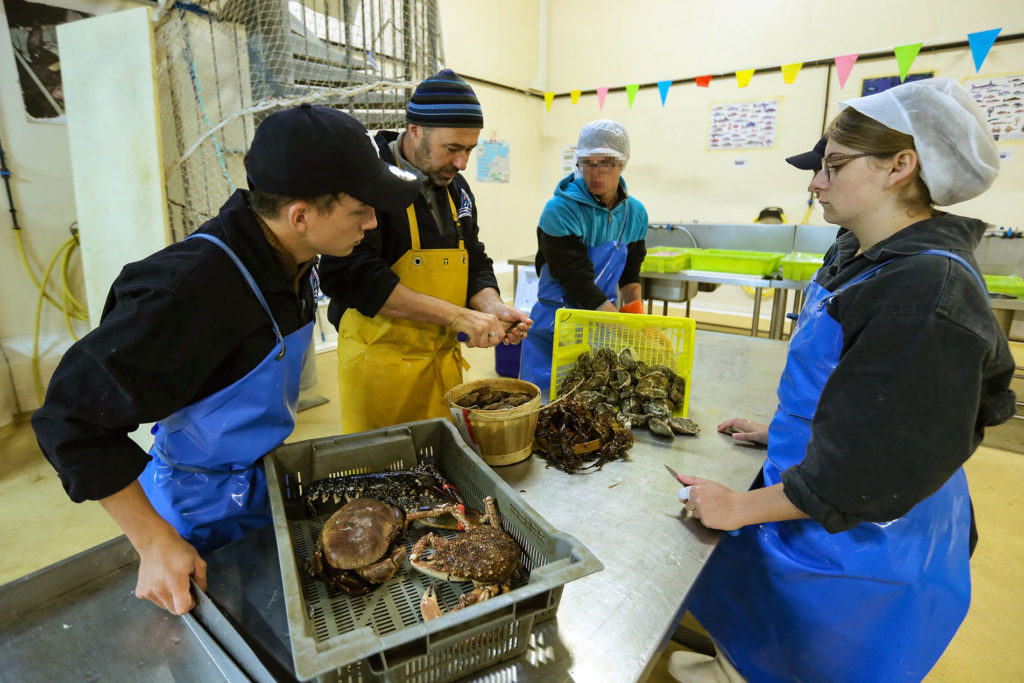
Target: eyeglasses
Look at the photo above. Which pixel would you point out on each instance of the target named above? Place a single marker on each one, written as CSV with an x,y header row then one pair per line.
x,y
602,164
828,164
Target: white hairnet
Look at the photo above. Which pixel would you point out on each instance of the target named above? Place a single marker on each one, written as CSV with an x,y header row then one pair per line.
x,y
958,155
604,136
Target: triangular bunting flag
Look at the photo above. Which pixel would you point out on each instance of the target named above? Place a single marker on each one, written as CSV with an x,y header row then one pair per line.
x,y
981,42
548,96
844,65
789,71
743,77
703,81
631,93
601,94
663,87
575,95
905,56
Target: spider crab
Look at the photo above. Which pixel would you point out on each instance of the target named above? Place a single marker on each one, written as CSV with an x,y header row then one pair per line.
x,y
483,554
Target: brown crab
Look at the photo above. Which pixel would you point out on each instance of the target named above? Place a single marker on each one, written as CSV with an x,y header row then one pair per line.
x,y
354,550
483,554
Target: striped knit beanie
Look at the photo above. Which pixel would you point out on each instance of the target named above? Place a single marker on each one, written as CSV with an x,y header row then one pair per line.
x,y
445,101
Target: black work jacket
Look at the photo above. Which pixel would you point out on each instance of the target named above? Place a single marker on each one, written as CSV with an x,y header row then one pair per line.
x,y
924,368
363,280
177,326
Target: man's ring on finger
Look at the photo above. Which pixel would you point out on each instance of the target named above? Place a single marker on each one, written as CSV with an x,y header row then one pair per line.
x,y
492,334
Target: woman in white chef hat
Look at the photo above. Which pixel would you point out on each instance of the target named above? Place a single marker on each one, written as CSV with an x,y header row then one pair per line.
x,y
851,563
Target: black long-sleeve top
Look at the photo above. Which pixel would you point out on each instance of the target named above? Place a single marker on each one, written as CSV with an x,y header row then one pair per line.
x,y
570,264
924,368
363,280
177,326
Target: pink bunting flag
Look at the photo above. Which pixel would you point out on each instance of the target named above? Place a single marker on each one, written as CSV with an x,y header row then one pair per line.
x,y
601,94
703,81
844,65
548,96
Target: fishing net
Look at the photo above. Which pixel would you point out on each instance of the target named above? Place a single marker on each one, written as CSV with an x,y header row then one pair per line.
x,y
224,65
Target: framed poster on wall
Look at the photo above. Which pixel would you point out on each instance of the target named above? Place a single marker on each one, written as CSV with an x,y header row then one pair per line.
x,y
871,86
1001,99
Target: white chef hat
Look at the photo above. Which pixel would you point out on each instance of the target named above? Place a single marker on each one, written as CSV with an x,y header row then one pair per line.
x,y
604,136
958,155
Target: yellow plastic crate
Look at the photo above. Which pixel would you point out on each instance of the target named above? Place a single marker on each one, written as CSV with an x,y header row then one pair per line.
x,y
798,265
667,259
657,340
1005,284
732,261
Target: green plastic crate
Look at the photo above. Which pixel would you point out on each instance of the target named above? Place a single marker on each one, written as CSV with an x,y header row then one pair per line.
x,y
1005,284
730,261
667,259
381,636
799,265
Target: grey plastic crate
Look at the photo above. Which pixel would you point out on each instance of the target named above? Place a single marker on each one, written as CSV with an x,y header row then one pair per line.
x,y
381,636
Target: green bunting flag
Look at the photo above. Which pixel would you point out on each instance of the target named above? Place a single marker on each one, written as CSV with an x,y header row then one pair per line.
x,y
631,93
905,56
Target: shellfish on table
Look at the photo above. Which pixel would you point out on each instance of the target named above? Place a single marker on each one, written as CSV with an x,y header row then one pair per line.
x,y
483,554
356,549
635,392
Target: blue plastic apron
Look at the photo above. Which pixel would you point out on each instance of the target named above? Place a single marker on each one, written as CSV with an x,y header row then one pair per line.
x,y
788,601
204,478
609,260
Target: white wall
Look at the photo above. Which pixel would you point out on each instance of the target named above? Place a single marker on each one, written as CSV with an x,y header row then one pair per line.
x,y
39,161
613,43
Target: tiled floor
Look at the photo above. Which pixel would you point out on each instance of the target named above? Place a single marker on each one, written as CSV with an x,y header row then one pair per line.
x,y
40,526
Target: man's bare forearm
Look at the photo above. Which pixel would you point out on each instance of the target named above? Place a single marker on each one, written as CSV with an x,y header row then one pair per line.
x,y
131,510
412,305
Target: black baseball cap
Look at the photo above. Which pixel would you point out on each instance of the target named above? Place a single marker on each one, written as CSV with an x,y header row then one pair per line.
x,y
312,150
810,161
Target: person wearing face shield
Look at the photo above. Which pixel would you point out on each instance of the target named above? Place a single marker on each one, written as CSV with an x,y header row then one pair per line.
x,y
590,244
851,561
422,280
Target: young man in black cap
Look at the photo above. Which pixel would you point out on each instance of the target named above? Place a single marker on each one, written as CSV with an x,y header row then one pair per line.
x,y
207,338
422,278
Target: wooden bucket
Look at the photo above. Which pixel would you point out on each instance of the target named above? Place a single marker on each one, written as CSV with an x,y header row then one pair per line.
x,y
500,437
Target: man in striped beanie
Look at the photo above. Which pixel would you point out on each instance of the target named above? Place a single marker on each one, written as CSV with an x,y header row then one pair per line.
x,y
421,281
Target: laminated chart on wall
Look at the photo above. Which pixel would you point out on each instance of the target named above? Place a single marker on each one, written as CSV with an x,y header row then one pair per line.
x,y
568,159
1001,99
743,125
492,162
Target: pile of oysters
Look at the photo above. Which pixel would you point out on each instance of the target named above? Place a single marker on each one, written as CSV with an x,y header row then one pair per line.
x,y
493,399
625,387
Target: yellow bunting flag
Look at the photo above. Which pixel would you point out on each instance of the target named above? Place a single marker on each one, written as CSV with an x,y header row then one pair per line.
x,y
575,95
905,56
548,96
789,71
631,93
743,77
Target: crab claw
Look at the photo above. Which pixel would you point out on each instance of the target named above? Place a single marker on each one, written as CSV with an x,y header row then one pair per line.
x,y
428,605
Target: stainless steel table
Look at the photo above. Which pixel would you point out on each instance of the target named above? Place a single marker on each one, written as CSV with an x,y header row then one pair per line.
x,y
610,625
759,284
781,289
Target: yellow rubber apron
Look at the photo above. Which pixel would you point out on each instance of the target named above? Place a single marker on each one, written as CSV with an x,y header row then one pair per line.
x,y
392,370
